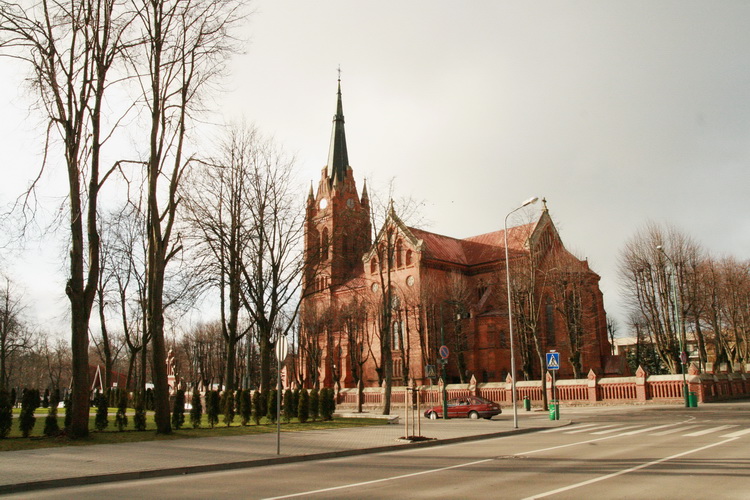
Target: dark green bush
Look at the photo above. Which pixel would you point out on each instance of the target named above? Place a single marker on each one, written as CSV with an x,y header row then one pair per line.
x,y
196,412
272,395
314,404
303,406
228,407
139,419
121,417
29,404
51,427
258,412
212,407
6,414
289,408
178,410
246,407
101,421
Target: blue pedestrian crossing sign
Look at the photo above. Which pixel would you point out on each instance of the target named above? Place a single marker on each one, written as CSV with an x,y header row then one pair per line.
x,y
553,360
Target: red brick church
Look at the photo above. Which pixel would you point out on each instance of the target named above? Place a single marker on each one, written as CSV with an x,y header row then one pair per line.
x,y
425,290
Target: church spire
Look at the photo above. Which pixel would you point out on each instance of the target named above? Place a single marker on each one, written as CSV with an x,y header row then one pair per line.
x,y
338,158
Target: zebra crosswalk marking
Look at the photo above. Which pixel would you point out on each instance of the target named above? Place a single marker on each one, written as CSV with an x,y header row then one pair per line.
x,y
618,429
561,429
647,429
590,429
736,434
709,431
678,429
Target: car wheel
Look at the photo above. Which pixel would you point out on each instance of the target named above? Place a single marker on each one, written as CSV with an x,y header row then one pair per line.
x,y
473,415
433,416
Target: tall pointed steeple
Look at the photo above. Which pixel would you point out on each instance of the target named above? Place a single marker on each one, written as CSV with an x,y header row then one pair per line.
x,y
338,158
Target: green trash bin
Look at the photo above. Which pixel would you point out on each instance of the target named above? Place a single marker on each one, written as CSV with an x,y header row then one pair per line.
x,y
527,404
693,399
554,410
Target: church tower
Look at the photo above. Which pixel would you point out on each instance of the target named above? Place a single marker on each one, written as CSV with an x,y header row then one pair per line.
x,y
337,223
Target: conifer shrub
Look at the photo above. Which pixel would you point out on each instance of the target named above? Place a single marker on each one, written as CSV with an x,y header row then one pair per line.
x,y
6,414
212,407
121,417
51,427
178,409
258,412
246,407
327,403
289,408
303,406
29,404
149,399
272,405
314,404
101,421
196,412
228,408
139,419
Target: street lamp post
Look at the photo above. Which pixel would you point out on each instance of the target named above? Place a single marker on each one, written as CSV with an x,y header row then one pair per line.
x,y
510,311
680,330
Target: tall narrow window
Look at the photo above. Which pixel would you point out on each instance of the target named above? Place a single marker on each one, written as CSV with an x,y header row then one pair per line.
x,y
324,244
399,261
408,257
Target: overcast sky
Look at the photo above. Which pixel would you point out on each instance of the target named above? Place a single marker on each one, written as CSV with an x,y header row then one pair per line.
x,y
617,112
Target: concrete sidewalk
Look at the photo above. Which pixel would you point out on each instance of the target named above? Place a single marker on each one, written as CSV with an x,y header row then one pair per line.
x,y
76,465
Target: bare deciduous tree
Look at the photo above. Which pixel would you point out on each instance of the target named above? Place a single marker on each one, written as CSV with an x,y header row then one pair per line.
x,y
70,49
184,47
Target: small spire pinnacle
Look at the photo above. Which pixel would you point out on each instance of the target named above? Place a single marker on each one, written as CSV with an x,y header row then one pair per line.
x,y
544,205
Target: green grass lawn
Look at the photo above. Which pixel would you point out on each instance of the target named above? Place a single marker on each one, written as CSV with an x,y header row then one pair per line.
x,y
111,435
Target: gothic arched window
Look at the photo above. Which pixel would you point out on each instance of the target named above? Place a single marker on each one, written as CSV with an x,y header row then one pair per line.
x,y
399,261
324,244
408,257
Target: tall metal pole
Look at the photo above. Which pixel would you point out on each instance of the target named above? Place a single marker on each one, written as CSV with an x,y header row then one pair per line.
x,y
443,362
510,313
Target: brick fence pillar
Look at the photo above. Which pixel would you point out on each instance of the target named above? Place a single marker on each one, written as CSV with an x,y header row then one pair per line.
x,y
592,388
640,384
509,389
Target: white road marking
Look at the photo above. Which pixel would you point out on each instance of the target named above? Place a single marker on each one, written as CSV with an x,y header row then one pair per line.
x,y
709,431
736,434
672,431
375,481
566,428
619,429
385,479
647,429
592,429
625,471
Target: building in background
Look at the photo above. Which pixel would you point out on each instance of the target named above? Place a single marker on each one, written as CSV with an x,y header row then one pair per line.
x,y
425,290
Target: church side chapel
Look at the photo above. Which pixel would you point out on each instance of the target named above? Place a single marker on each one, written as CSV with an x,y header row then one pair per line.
x,y
368,306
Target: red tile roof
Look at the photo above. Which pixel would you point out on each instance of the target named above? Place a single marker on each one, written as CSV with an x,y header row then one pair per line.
x,y
475,250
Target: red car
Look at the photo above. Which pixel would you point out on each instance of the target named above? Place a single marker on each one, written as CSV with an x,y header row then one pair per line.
x,y
470,406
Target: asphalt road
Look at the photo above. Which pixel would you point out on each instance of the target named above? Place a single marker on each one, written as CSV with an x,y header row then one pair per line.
x,y
639,453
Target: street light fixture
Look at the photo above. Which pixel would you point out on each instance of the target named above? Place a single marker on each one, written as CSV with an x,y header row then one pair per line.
x,y
510,311
680,331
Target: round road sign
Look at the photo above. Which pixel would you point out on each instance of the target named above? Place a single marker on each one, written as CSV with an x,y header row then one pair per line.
x,y
444,351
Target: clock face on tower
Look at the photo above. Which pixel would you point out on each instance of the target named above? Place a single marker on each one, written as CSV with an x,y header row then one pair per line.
x,y
323,204
350,203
